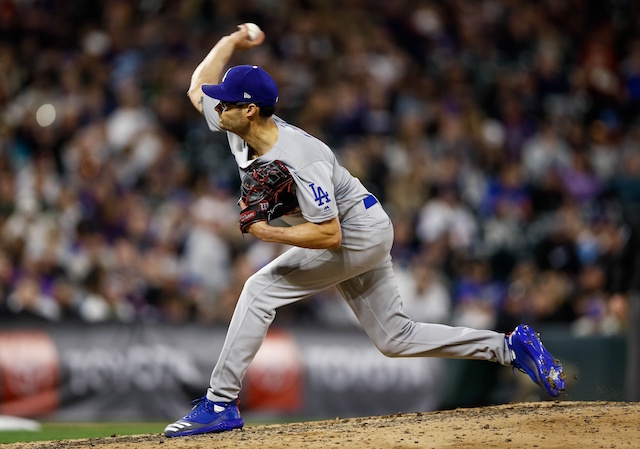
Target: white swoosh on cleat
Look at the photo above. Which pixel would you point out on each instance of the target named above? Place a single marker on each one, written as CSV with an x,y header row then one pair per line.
x,y
178,426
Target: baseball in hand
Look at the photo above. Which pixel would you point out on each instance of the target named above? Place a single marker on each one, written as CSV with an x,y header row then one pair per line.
x,y
254,31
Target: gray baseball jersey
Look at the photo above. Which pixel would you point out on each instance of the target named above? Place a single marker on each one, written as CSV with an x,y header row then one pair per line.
x,y
360,269
325,189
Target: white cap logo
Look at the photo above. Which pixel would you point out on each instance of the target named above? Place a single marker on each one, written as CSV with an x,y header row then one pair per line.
x,y
246,95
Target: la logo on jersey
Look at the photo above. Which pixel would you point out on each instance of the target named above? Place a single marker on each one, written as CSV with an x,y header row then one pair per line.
x,y
320,196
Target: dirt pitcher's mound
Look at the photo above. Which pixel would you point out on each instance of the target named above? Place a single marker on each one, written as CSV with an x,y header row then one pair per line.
x,y
527,425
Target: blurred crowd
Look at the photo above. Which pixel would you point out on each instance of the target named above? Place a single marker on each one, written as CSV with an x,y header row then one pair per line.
x,y
502,136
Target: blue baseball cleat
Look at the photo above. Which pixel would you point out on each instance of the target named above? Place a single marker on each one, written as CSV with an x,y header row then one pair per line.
x,y
529,356
207,417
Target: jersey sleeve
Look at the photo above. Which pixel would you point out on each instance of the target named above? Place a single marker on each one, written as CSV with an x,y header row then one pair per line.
x,y
315,192
210,114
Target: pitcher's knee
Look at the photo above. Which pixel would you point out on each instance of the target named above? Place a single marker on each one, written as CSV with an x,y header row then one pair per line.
x,y
388,347
252,299
394,344
257,281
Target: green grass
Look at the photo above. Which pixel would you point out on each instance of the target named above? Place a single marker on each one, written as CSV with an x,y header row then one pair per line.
x,y
51,431
71,431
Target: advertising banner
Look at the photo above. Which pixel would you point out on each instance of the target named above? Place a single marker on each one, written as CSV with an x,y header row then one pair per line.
x,y
146,372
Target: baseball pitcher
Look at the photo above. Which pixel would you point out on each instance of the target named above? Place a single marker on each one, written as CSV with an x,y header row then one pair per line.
x,y
341,236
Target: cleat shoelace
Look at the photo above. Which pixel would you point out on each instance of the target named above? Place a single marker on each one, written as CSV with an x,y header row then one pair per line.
x,y
199,405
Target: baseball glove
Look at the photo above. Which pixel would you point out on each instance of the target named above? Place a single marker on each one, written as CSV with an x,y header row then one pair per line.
x,y
268,192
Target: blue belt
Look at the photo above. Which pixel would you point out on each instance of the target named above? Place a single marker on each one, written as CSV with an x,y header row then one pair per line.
x,y
369,201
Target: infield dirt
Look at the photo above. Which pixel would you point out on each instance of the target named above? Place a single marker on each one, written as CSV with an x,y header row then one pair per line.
x,y
560,424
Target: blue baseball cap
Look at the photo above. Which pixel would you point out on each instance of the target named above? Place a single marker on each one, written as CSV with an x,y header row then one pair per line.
x,y
244,84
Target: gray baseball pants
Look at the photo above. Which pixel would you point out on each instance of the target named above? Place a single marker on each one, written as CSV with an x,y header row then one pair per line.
x,y
362,271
